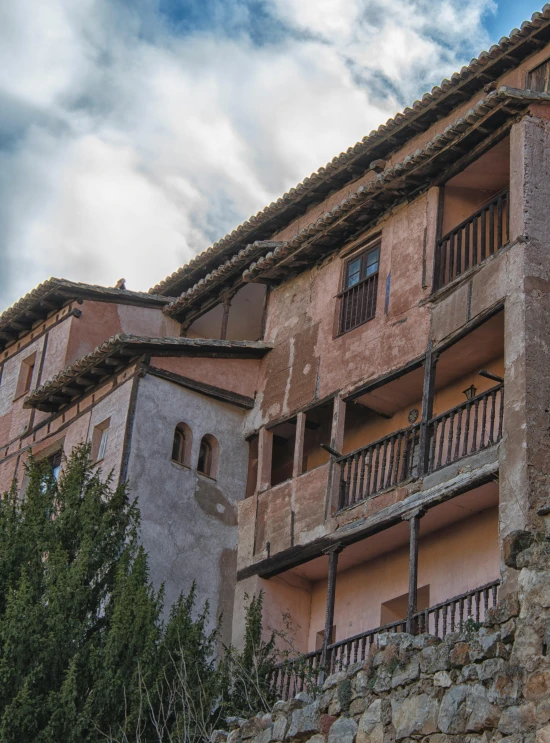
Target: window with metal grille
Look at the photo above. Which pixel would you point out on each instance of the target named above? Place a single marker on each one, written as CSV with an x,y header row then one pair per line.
x,y
539,78
359,289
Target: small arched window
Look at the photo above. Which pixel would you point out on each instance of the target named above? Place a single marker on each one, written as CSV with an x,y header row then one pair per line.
x,y
208,456
181,444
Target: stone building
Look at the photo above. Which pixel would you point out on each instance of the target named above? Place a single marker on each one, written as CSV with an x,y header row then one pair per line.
x,y
356,376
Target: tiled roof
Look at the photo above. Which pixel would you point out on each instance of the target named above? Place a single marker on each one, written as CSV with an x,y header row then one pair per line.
x,y
118,352
485,68
52,294
269,256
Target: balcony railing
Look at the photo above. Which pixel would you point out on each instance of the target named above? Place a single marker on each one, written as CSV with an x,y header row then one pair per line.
x,y
452,615
383,464
358,303
473,240
466,429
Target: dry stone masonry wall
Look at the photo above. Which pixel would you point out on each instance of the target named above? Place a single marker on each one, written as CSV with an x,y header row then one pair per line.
x,y
484,684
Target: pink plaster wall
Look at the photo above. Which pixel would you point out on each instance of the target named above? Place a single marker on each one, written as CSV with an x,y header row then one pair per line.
x,y
235,375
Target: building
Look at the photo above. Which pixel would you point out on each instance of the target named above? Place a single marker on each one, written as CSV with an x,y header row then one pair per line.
x,y
358,371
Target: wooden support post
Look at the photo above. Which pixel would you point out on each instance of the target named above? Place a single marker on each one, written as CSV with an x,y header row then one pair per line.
x,y
225,317
332,553
430,361
414,528
297,467
265,452
337,444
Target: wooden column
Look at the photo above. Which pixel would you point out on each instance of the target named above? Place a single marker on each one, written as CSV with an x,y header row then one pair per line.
x,y
297,466
428,391
265,452
414,528
225,317
332,553
337,444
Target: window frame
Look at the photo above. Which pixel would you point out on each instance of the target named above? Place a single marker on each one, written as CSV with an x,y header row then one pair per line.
x,y
361,254
211,469
528,77
184,431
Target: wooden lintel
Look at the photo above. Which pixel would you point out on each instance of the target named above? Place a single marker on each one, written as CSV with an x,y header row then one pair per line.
x,y
71,391
57,399
48,305
113,362
7,336
45,407
18,325
96,371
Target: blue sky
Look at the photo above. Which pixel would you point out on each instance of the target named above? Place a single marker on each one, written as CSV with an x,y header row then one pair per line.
x,y
134,133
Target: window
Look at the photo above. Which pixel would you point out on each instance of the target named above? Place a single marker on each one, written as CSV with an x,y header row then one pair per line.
x,y
181,444
100,437
539,78
55,463
208,456
359,289
26,372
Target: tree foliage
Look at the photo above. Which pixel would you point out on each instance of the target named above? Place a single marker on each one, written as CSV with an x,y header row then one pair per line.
x,y
84,653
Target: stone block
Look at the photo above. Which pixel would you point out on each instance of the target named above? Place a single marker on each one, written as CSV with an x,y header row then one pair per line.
x,y
343,730
357,707
406,675
459,655
518,719
535,587
537,685
508,631
490,668
361,683
382,681
305,721
542,712
371,717
506,609
334,680
319,738
469,673
466,709
416,715
543,734
218,736
443,679
234,736
513,544
279,729
251,728
325,723
434,658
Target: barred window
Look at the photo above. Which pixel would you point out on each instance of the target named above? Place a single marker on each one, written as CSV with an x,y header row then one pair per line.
x,y
359,289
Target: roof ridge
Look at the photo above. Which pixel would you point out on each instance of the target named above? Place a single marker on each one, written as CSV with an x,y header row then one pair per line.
x,y
341,161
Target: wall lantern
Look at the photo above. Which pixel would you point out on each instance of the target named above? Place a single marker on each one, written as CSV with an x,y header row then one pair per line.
x,y
470,392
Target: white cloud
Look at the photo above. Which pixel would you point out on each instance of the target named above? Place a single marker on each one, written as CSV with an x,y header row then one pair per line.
x,y
127,147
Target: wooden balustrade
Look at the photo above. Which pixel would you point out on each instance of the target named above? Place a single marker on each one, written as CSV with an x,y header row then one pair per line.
x,y
452,615
358,303
473,240
382,464
467,428
293,676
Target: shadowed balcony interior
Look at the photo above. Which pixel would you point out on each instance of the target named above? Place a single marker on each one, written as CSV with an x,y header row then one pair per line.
x,y
384,427
458,577
474,214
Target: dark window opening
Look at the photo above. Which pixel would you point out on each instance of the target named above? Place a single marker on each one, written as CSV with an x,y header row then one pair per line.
x,y
396,609
359,289
208,456
282,457
252,466
539,78
55,463
26,372
318,430
181,444
320,638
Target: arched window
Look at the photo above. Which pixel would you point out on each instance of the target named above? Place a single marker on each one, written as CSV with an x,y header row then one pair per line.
x,y
181,444
208,456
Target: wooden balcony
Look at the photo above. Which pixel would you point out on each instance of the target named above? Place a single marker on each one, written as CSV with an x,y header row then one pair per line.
x,y
464,430
473,240
449,616
357,304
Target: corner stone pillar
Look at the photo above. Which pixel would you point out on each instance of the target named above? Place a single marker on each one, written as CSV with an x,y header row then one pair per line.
x,y
525,451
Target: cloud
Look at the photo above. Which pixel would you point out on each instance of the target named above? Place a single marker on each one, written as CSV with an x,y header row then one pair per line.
x,y
135,135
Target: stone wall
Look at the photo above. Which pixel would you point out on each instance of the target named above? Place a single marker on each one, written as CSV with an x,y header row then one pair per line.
x,y
488,683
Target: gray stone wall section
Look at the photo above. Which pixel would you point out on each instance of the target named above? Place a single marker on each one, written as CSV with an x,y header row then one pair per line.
x,y
525,454
189,522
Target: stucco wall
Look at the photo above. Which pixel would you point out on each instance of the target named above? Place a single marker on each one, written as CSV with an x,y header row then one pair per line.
x,y
189,521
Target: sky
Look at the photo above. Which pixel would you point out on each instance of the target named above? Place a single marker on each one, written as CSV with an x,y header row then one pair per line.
x,y
135,133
